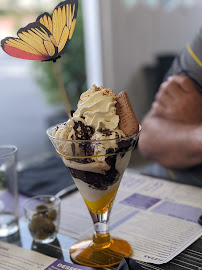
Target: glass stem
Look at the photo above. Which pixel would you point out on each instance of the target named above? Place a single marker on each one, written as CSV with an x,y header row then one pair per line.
x,y
101,235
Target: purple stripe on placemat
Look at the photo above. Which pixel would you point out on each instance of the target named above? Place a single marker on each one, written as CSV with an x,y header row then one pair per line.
x,y
140,201
8,202
181,211
124,219
61,265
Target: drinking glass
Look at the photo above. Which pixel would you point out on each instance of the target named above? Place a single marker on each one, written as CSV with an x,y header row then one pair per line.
x,y
97,167
43,215
8,190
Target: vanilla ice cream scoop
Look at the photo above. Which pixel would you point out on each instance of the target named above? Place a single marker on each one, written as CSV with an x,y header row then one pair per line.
x,y
109,143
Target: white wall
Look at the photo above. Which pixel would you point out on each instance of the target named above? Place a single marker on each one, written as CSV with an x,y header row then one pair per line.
x,y
131,38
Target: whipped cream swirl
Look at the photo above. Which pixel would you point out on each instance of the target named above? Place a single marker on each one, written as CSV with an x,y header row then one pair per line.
x,y
98,107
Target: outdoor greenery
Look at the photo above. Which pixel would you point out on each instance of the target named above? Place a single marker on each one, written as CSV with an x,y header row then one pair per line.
x,y
67,74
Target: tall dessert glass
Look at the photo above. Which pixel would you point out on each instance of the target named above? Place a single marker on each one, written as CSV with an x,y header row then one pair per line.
x,y
97,167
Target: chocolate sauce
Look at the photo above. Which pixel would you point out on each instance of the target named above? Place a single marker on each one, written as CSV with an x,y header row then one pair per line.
x,y
97,180
82,132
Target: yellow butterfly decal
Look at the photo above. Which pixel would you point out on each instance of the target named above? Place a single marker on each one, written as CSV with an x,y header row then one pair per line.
x,y
45,39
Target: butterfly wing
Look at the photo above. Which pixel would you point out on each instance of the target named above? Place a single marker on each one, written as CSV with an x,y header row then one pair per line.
x,y
46,20
46,38
34,42
62,23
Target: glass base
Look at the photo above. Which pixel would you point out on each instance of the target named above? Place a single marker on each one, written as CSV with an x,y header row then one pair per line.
x,y
88,253
47,240
8,224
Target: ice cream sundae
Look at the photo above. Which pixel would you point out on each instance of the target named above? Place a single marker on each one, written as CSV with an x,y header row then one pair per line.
x,y
95,135
95,145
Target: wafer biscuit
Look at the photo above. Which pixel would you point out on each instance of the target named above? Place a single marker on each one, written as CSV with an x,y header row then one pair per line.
x,y
128,122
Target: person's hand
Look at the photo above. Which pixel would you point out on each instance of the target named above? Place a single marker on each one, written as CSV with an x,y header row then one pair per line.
x,y
178,100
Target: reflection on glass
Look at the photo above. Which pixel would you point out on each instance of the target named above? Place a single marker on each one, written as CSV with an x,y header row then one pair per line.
x,y
13,239
54,250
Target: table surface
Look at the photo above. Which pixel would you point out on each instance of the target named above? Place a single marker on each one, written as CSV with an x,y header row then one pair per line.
x,y
189,259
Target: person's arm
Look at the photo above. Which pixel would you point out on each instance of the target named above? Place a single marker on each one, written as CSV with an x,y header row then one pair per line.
x,y
172,130
172,144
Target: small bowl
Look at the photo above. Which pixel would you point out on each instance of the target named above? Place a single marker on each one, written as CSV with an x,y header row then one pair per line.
x,y
43,215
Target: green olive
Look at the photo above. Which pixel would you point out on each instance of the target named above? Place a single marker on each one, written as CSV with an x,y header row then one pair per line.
x,y
36,223
52,214
41,225
41,235
41,209
48,225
